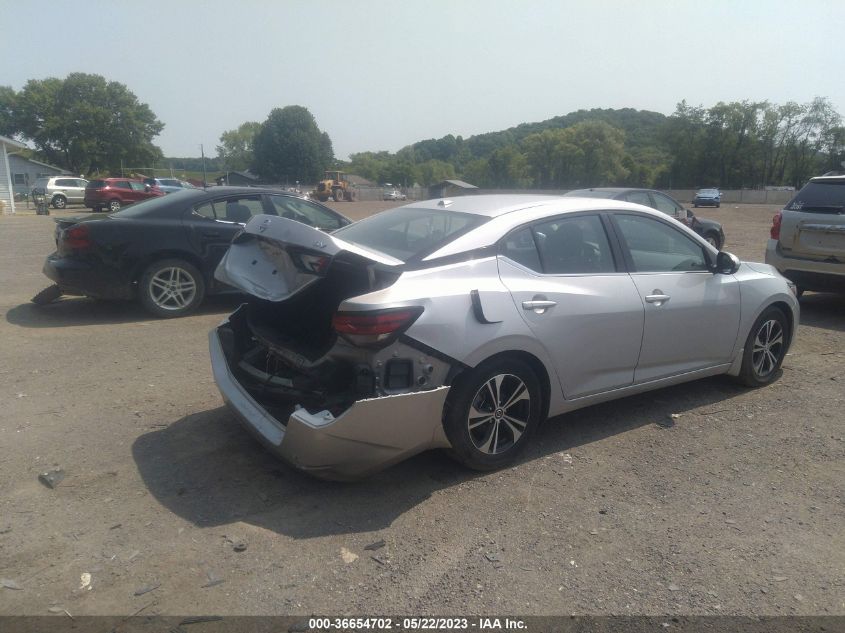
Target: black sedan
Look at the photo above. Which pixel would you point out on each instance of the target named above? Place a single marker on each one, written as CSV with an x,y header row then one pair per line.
x,y
163,251
710,230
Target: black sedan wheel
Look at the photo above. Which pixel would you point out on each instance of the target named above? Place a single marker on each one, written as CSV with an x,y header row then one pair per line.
x,y
765,348
171,288
492,414
714,240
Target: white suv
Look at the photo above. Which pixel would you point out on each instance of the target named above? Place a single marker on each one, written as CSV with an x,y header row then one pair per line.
x,y
61,191
807,242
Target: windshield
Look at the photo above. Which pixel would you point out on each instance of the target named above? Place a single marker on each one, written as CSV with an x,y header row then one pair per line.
x,y
820,196
407,233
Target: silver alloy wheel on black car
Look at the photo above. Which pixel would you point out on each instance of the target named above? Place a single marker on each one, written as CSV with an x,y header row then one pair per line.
x,y
171,288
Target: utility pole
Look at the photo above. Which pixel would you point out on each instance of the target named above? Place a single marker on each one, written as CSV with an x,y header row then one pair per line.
x,y
204,177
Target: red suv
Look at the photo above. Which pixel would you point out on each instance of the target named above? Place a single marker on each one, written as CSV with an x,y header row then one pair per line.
x,y
114,193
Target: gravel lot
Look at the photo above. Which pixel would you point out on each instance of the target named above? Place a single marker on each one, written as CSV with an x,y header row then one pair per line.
x,y
735,507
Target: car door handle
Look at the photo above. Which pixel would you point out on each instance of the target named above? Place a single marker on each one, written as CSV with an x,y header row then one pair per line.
x,y
538,306
657,298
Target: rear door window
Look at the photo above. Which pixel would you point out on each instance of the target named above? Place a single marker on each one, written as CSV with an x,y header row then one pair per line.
x,y
576,245
521,248
240,209
305,212
666,205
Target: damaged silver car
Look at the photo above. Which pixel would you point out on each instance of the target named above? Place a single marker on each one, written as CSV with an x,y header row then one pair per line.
x,y
462,324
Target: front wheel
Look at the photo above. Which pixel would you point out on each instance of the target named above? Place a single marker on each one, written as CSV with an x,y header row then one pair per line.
x,y
171,288
114,206
492,413
337,195
59,202
765,348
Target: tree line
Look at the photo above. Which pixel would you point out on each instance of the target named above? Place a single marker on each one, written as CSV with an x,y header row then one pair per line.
x,y
87,124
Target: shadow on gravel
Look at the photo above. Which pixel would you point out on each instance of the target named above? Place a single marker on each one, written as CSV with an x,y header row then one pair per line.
x,y
826,311
208,470
76,311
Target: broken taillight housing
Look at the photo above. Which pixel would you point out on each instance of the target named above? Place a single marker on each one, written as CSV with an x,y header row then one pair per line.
x,y
374,328
311,262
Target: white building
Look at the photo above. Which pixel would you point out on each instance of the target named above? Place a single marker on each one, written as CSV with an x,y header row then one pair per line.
x,y
7,198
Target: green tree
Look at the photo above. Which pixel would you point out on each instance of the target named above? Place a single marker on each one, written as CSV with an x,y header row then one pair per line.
x,y
434,171
289,146
87,124
507,168
8,126
235,149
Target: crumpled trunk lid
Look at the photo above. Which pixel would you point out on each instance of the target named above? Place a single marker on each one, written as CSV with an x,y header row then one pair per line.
x,y
275,258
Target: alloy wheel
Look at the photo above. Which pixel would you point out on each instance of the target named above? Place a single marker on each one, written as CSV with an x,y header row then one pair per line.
x,y
499,414
172,288
768,347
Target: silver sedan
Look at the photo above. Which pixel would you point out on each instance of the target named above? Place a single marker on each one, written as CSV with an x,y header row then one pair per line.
x,y
465,323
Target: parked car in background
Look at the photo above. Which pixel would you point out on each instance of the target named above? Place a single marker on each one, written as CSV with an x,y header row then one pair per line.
x,y
807,241
710,230
707,198
115,193
463,323
60,191
168,185
163,251
391,193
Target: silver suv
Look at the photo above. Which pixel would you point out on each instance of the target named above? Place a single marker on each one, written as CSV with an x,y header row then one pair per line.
x,y
61,191
807,242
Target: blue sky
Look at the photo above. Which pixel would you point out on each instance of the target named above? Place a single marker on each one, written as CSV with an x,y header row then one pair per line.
x,y
380,75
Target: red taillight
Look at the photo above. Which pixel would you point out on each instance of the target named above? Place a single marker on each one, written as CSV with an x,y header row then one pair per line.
x,y
374,328
775,230
77,237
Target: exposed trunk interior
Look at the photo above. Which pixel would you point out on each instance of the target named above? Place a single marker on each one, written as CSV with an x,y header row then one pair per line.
x,y
278,350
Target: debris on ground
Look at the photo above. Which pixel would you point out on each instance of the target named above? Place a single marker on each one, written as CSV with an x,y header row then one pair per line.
x,y
239,546
379,560
146,589
347,556
374,546
85,581
10,584
673,587
52,478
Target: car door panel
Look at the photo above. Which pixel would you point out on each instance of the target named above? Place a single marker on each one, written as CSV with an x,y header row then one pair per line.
x,y
691,314
693,328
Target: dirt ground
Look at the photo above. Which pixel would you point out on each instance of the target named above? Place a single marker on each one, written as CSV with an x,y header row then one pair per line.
x,y
735,507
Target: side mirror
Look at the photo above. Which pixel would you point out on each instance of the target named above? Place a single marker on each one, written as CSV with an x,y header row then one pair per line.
x,y
726,263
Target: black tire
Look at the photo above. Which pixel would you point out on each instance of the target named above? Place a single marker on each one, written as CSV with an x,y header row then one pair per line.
x,y
48,295
173,298
114,206
763,355
59,202
337,194
498,440
714,240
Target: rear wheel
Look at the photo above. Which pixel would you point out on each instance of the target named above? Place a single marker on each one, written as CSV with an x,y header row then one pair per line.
x,y
114,206
171,288
337,194
59,202
492,413
765,348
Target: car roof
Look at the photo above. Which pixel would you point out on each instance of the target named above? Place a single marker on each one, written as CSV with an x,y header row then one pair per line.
x,y
494,205
836,179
